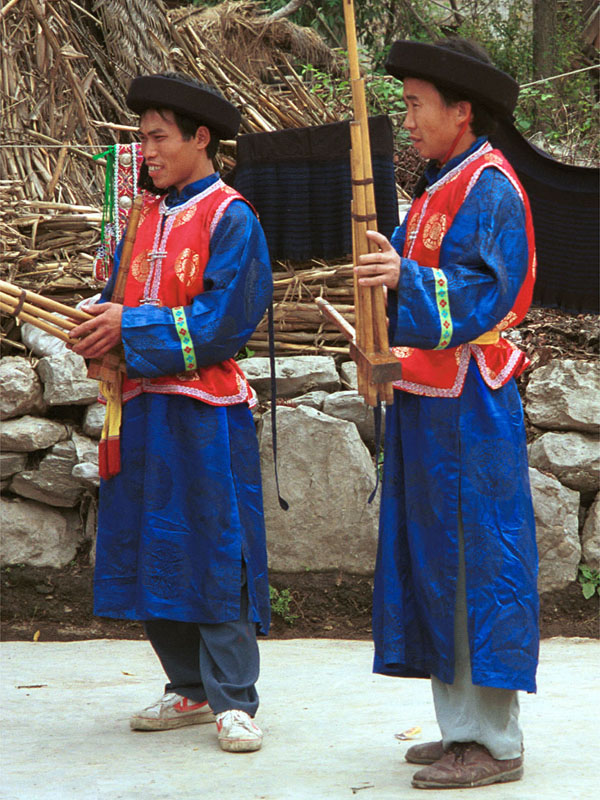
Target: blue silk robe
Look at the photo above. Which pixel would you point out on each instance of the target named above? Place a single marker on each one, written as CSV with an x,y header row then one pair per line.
x,y
446,457
175,525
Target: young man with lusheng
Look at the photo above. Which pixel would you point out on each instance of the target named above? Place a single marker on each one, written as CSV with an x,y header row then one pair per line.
x,y
181,538
455,595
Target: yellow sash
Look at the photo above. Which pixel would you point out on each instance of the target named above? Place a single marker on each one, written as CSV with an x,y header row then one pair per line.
x,y
489,337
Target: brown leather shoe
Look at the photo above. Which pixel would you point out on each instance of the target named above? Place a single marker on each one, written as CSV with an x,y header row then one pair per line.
x,y
466,765
427,753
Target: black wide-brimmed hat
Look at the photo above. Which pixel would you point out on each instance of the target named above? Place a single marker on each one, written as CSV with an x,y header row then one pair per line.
x,y
453,70
195,102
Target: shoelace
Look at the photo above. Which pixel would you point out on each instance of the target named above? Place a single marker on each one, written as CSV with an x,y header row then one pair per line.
x,y
233,716
166,699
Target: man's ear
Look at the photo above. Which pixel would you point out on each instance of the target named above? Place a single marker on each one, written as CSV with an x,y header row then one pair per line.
x,y
202,137
464,110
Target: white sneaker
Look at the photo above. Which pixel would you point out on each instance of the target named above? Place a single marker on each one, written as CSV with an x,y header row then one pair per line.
x,y
237,732
171,711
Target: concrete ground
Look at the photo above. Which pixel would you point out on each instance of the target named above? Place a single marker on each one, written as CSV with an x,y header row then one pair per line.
x,y
329,727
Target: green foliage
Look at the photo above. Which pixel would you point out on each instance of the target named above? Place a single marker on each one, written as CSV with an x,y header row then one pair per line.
x,y
245,352
507,37
565,118
564,111
335,93
384,93
379,465
590,581
280,604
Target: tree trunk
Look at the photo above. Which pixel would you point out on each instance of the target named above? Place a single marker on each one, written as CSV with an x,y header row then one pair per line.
x,y
544,37
288,9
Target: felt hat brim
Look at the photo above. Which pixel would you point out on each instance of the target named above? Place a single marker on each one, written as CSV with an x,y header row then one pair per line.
x,y
482,82
201,105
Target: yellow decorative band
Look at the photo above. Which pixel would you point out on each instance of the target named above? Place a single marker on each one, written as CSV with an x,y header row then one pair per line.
x,y
443,305
490,337
187,347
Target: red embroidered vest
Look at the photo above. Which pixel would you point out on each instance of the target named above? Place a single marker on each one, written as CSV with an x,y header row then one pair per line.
x,y
167,269
441,372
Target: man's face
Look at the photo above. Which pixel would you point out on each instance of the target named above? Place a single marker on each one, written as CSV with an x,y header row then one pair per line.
x,y
432,125
171,159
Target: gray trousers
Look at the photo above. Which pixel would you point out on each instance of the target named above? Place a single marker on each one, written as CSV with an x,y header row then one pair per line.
x,y
468,713
219,663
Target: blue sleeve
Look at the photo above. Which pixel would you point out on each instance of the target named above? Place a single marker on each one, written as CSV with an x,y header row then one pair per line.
x,y
483,260
238,287
398,237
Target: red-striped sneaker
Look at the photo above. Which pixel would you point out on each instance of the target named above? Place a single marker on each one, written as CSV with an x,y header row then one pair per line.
x,y
171,711
237,732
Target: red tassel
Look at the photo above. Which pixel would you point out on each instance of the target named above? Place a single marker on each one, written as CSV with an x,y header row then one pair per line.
x,y
109,457
102,460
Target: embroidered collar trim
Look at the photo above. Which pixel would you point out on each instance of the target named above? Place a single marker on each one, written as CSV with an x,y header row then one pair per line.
x,y
165,210
449,176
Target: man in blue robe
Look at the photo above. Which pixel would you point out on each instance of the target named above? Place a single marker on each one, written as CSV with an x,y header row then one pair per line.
x,y
181,538
455,595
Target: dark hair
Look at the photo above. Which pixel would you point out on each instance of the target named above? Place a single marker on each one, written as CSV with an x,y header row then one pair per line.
x,y
483,122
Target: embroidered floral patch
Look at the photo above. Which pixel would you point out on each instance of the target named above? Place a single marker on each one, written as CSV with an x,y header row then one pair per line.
x,y
187,266
434,231
140,266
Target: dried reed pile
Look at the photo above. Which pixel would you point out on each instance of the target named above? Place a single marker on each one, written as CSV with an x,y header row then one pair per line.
x,y
63,79
300,327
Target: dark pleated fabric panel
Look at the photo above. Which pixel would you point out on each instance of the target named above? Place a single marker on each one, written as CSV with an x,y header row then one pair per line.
x,y
298,180
566,213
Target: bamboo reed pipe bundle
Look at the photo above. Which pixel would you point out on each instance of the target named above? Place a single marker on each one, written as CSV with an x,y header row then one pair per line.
x,y
45,320
75,314
47,315
371,351
39,323
34,310
13,303
39,311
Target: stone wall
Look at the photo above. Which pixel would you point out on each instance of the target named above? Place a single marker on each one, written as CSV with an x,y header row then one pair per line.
x,y
49,465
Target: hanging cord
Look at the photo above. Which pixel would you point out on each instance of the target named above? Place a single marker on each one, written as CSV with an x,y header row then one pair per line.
x,y
459,135
108,206
271,324
377,418
19,307
103,254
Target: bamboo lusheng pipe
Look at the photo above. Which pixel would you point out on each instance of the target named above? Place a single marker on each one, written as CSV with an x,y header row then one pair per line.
x,y
109,367
75,314
370,306
132,225
371,351
13,303
39,323
32,310
341,323
378,369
